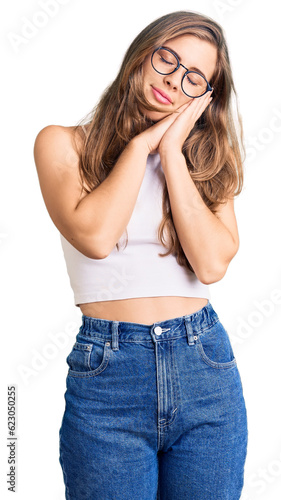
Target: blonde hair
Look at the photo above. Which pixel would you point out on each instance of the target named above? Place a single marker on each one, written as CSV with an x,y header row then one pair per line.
x,y
213,150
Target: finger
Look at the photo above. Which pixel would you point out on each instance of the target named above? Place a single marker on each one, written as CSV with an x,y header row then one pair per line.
x,y
198,106
193,104
163,124
183,107
202,105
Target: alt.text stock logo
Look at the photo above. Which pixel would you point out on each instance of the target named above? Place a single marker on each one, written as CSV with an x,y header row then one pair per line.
x,y
31,27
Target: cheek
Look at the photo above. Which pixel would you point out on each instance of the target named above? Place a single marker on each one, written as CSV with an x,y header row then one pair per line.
x,y
149,75
147,69
184,99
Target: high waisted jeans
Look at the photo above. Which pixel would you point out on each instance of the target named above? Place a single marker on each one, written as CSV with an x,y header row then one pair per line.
x,y
153,411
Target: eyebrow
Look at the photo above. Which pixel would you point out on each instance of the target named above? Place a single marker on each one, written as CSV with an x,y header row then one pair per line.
x,y
179,58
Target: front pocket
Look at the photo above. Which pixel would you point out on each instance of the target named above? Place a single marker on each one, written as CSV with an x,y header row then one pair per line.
x,y
214,347
88,359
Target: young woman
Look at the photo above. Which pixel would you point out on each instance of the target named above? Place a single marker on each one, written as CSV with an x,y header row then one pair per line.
x,y
142,195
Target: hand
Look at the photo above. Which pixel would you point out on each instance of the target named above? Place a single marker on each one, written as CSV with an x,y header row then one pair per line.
x,y
178,131
152,136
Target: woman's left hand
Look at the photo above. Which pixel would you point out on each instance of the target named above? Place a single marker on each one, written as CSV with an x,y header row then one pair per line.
x,y
188,114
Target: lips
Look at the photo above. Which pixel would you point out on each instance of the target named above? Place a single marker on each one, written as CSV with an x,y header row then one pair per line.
x,y
161,96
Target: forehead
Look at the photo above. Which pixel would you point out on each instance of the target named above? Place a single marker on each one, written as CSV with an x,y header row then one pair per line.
x,y
194,52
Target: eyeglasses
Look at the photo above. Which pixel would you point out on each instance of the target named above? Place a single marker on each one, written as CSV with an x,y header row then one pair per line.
x,y
166,62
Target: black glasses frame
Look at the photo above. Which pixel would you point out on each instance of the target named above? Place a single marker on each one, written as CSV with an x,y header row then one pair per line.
x,y
209,88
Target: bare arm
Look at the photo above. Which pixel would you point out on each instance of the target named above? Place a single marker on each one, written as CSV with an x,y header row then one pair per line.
x,y
109,207
209,241
95,222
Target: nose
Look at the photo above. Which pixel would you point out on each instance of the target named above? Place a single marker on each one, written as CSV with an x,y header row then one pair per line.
x,y
173,81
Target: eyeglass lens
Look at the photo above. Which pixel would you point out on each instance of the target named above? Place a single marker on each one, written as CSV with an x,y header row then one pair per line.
x,y
165,62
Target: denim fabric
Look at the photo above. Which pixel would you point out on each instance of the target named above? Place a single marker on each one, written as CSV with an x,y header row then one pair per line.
x,y
153,411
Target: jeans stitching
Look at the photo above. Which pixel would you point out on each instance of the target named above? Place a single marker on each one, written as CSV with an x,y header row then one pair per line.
x,y
97,371
214,364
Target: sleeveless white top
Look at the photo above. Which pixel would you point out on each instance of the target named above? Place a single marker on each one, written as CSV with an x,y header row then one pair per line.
x,y
137,270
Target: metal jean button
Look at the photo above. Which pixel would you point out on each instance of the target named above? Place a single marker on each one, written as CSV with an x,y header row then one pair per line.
x,y
157,330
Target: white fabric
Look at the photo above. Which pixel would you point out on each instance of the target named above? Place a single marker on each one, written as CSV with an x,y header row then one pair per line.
x,y
137,270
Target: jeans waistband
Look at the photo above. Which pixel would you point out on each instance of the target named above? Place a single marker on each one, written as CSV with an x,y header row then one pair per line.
x,y
167,329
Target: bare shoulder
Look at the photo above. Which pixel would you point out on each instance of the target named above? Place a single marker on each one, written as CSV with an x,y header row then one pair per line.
x,y
59,145
56,156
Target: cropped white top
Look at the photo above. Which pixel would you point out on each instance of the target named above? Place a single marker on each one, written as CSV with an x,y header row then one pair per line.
x,y
137,270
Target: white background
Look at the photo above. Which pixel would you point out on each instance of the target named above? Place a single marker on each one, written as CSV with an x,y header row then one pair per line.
x,y
52,77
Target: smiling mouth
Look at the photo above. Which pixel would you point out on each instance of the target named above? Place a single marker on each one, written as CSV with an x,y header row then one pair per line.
x,y
160,96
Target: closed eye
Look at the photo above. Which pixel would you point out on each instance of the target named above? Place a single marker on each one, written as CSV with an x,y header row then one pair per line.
x,y
167,62
190,81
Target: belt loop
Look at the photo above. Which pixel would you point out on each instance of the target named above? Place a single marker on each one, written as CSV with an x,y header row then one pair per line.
x,y
189,331
114,332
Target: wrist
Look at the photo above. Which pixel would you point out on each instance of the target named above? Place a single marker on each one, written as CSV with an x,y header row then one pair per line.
x,y
170,151
140,144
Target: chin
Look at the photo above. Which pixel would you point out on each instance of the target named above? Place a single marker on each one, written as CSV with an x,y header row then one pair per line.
x,y
156,116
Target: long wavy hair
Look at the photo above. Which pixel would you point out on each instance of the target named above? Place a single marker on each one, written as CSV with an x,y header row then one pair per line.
x,y
214,148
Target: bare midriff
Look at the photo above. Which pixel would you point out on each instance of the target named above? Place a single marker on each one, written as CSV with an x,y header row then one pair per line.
x,y
145,310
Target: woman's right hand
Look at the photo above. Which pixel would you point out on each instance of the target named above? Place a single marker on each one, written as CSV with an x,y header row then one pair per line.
x,y
152,136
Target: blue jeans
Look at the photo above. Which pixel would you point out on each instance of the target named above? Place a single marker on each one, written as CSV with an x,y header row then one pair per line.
x,y
153,411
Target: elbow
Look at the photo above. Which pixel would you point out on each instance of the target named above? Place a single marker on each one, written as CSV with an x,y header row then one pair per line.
x,y
98,241
104,245
96,254
91,247
210,277
100,248
212,274
90,243
96,250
